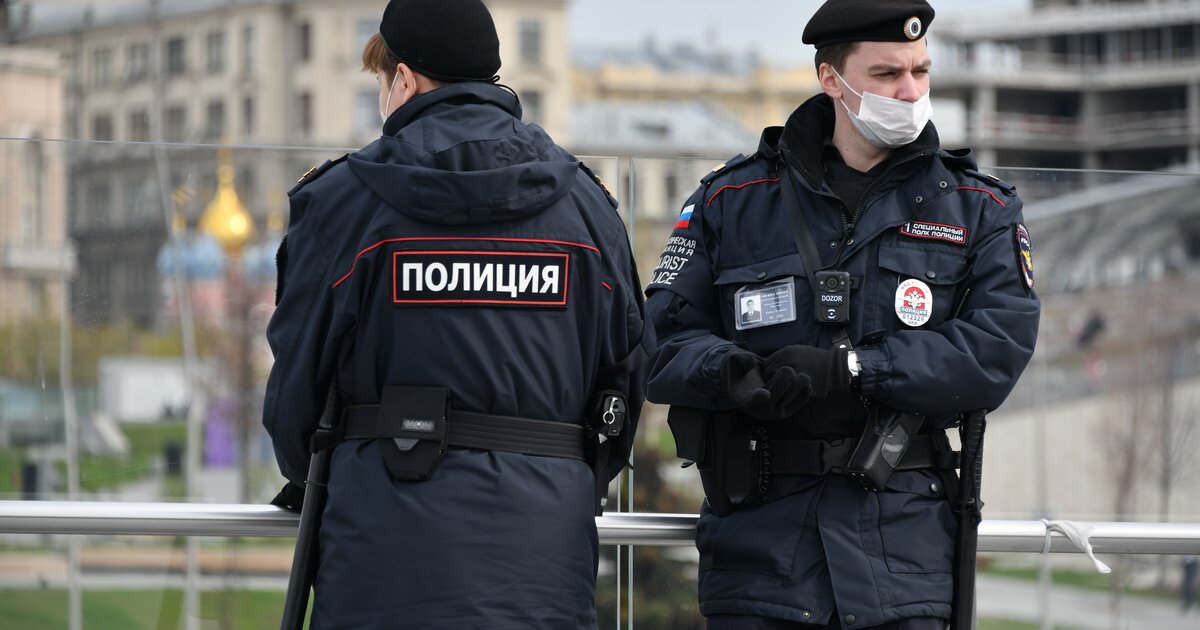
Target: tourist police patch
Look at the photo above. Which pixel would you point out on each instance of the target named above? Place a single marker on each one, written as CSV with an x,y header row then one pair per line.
x,y
1024,248
480,277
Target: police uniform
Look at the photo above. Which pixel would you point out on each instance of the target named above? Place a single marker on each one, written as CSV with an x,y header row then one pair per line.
x,y
462,250
943,318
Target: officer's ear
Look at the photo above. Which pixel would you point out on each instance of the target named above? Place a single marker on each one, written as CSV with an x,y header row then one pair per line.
x,y
406,83
829,82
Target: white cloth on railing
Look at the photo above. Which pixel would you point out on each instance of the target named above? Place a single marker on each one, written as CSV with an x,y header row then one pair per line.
x,y
1078,535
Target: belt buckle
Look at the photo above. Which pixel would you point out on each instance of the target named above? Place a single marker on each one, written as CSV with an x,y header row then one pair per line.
x,y
835,455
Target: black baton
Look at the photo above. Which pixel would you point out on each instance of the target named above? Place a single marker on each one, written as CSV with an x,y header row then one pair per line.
x,y
969,515
304,559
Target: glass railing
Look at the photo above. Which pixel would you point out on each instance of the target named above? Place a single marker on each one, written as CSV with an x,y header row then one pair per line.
x,y
133,362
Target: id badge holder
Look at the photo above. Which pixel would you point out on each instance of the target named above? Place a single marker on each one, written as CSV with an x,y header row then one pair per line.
x,y
759,305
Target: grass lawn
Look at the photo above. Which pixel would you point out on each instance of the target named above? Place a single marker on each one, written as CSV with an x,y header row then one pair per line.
x,y
1081,579
139,610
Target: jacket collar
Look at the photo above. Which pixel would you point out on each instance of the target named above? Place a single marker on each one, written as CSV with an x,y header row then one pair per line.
x,y
803,137
451,95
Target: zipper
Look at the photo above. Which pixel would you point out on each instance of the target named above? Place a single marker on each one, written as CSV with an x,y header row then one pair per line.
x,y
851,222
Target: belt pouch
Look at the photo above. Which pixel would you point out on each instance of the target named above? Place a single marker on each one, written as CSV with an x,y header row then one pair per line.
x,y
416,421
730,474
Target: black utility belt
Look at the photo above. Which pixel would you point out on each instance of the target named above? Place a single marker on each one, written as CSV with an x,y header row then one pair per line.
x,y
479,431
817,457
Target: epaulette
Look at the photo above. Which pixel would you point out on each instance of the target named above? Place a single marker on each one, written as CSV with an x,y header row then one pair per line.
x,y
993,181
315,172
725,167
612,199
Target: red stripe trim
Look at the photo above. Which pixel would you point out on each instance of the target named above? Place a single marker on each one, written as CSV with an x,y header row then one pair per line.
x,y
606,285
454,238
984,190
740,186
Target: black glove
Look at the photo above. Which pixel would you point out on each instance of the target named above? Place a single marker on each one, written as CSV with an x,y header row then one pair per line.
x,y
826,369
290,498
776,398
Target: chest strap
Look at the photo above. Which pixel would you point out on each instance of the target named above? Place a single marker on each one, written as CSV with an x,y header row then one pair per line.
x,y
816,457
465,429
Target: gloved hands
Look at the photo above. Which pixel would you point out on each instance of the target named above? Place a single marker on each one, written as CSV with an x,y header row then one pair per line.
x,y
826,368
780,385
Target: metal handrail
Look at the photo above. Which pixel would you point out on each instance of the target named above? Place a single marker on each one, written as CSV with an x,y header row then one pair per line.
x,y
630,528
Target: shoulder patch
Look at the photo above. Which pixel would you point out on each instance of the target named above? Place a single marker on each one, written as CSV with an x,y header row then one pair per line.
x,y
725,167
1023,246
612,198
315,172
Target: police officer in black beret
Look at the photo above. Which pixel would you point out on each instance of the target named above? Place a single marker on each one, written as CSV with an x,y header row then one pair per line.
x,y
469,288
895,284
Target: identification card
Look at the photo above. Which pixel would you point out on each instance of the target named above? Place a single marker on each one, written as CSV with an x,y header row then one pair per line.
x,y
759,305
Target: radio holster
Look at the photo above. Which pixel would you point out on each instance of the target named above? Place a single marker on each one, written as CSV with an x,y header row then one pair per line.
x,y
419,437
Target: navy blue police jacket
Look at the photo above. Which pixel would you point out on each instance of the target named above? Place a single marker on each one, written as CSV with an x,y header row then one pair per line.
x,y
463,249
824,544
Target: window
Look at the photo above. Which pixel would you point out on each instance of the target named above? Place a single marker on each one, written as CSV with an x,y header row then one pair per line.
x,y
175,127
305,113
214,52
98,204
214,120
248,115
139,126
366,28
35,168
531,41
531,105
176,50
366,111
248,49
102,127
304,41
137,62
102,67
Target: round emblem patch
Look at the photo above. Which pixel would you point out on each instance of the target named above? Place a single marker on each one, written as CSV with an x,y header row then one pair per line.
x,y
913,28
914,302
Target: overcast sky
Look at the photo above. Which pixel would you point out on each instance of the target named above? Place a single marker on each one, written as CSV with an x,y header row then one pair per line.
x,y
773,27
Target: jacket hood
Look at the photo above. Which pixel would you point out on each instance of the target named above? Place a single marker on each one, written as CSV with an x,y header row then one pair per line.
x,y
460,154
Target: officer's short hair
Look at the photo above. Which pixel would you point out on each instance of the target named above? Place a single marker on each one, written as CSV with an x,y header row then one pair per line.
x,y
835,55
377,58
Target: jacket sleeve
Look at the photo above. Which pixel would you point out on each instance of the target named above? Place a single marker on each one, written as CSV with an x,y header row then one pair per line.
x,y
303,336
969,362
628,343
683,306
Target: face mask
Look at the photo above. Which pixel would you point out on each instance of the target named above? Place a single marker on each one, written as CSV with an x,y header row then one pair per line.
x,y
885,122
382,115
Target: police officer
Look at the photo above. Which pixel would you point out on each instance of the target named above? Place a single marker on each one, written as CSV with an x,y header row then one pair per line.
x,y
918,307
470,288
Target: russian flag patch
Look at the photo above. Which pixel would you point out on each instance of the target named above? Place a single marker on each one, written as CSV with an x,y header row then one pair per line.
x,y
685,217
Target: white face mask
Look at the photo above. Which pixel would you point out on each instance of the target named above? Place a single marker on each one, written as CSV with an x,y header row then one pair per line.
x,y
383,112
885,122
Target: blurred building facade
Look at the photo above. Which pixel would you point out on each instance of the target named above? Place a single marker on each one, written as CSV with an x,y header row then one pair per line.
x,y
752,91
279,73
36,257
1082,84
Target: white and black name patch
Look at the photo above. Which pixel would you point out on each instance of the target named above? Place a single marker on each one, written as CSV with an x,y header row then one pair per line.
x,y
475,277
936,232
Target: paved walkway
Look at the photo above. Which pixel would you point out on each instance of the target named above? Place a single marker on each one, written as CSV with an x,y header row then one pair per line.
x,y
1078,608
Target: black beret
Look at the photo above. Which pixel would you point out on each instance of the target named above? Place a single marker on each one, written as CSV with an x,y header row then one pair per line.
x,y
842,21
446,40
